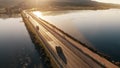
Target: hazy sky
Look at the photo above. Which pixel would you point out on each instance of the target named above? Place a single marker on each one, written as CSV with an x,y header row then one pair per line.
x,y
109,1
106,1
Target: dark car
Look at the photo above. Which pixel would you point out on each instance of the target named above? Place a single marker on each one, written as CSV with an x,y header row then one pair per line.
x,y
37,27
59,49
61,54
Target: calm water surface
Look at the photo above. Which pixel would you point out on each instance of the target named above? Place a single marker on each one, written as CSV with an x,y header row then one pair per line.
x,y
16,47
101,28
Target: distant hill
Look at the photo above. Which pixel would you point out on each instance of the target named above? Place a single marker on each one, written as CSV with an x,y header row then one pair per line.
x,y
53,3
84,3
9,3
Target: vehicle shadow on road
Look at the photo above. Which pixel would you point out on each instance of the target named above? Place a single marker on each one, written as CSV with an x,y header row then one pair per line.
x,y
61,54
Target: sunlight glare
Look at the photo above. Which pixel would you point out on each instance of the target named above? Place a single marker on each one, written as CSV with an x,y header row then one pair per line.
x,y
37,13
109,1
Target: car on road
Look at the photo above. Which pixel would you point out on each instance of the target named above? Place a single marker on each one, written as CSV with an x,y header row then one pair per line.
x,y
59,49
61,54
37,27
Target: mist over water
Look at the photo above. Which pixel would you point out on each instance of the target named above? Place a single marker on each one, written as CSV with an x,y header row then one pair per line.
x,y
99,27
